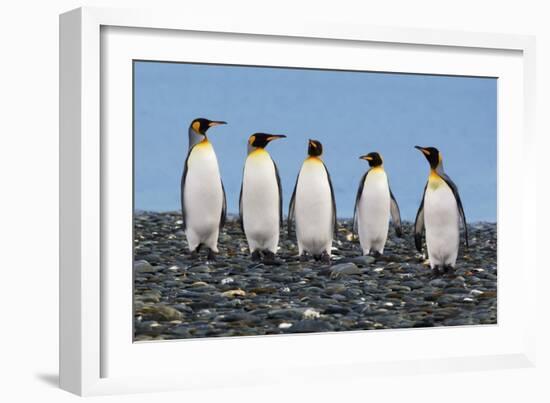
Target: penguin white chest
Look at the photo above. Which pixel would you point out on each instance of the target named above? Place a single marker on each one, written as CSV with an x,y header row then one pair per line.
x,y
441,220
260,202
313,208
374,211
203,195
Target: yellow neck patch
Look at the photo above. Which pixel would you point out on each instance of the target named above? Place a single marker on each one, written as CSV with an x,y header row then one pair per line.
x,y
434,180
200,151
204,143
313,160
258,153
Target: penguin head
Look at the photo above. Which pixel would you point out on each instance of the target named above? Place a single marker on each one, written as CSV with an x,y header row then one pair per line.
x,y
374,159
260,140
315,148
432,154
201,125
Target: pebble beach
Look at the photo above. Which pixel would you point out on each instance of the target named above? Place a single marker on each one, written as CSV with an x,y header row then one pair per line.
x,y
179,297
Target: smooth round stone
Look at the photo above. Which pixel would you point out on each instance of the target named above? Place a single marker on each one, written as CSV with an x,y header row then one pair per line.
x,y
183,308
199,269
448,299
363,260
143,266
412,284
438,283
332,309
240,317
181,332
202,288
161,312
151,297
352,293
312,291
206,277
400,288
335,288
309,326
289,313
455,290
344,269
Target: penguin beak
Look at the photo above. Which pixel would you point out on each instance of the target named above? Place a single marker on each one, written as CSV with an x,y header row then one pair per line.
x,y
216,123
275,137
365,157
426,152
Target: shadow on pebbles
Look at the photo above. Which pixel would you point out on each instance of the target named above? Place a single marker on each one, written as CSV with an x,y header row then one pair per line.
x,y
177,297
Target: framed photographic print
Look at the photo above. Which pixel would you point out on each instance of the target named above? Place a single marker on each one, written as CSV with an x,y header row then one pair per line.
x,y
246,193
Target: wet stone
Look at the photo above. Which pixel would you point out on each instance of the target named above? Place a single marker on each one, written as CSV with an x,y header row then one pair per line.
x,y
344,269
310,326
363,260
143,266
179,296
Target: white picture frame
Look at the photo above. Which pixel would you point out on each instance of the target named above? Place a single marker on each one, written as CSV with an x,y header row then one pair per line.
x,y
97,355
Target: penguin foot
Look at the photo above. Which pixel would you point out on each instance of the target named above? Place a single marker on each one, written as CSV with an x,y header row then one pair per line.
x,y
211,256
195,252
325,257
436,272
256,256
303,258
270,259
269,256
375,254
449,270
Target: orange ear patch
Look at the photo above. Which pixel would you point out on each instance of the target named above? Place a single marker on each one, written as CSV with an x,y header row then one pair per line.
x,y
196,126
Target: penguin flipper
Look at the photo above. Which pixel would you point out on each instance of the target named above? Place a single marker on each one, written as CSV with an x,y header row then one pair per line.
x,y
395,214
419,223
334,223
280,194
224,208
357,198
182,198
291,208
454,189
241,207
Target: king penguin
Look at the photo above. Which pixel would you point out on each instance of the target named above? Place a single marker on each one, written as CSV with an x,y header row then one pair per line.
x,y
373,206
260,200
441,212
313,206
203,203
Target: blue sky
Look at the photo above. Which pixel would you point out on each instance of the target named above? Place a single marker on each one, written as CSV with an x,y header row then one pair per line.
x,y
351,113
